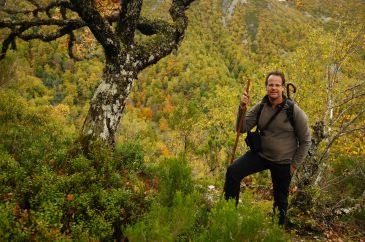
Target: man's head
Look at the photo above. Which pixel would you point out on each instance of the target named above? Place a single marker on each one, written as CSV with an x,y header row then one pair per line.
x,y
275,85
275,73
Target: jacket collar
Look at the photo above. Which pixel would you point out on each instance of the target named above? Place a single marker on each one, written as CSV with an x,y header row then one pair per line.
x,y
281,105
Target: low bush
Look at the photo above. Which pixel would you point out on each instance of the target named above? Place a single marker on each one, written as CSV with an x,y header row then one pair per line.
x,y
246,222
170,223
175,175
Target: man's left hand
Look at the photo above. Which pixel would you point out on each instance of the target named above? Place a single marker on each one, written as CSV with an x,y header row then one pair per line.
x,y
293,169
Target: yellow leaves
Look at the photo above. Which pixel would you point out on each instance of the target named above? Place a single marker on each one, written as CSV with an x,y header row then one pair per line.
x,y
173,68
62,110
353,145
168,108
299,4
163,149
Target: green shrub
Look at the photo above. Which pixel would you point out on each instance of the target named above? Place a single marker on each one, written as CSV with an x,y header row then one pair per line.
x,y
10,173
58,197
352,180
79,164
130,155
167,223
246,222
12,229
175,175
31,133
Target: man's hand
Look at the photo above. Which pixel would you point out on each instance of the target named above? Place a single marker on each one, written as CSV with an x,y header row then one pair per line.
x,y
293,169
245,99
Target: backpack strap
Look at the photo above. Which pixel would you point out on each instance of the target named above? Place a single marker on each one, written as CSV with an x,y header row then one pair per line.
x,y
271,119
259,113
289,111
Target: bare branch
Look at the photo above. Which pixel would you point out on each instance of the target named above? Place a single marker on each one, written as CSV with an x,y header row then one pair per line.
x,y
68,26
339,133
39,22
352,130
349,99
71,39
356,86
10,40
53,36
343,112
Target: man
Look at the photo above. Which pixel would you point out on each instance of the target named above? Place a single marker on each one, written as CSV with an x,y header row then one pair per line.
x,y
284,147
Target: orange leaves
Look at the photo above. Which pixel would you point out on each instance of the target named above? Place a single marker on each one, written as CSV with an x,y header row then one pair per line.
x,y
163,124
106,2
167,109
20,213
147,113
16,210
70,197
164,150
107,7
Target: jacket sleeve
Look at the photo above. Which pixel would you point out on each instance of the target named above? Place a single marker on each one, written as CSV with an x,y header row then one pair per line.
x,y
249,120
303,136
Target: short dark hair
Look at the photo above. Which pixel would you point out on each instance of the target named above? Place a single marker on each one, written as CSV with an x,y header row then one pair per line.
x,y
275,73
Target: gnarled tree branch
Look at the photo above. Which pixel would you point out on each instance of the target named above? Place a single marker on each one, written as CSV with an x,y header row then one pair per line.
x,y
151,27
71,42
98,25
55,35
169,38
128,20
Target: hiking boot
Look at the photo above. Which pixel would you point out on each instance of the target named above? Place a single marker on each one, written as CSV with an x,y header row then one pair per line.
x,y
282,216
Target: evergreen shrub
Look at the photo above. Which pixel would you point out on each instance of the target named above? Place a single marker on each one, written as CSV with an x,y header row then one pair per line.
x,y
167,223
175,175
246,222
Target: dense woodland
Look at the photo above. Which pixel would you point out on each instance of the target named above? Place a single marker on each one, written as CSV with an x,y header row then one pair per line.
x,y
163,179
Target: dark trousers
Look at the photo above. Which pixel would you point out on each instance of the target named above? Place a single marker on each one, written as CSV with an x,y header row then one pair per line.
x,y
251,163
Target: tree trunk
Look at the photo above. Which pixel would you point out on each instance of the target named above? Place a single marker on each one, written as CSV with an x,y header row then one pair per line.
x,y
107,104
308,173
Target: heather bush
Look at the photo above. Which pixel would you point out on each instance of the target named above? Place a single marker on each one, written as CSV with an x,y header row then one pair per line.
x,y
246,222
175,175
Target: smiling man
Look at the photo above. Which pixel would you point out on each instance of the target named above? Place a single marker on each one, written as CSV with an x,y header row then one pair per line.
x,y
284,138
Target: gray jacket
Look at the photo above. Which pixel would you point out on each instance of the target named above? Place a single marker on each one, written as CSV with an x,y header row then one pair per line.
x,y
280,144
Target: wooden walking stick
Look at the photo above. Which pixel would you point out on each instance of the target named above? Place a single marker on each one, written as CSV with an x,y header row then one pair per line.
x,y
240,124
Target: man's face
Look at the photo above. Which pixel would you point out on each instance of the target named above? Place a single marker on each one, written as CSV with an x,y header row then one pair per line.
x,y
274,87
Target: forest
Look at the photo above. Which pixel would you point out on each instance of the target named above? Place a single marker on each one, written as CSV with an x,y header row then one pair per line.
x,y
117,118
